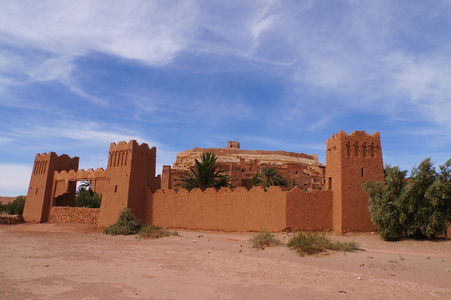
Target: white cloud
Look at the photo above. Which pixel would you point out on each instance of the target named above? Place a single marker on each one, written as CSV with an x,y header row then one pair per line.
x,y
51,35
14,179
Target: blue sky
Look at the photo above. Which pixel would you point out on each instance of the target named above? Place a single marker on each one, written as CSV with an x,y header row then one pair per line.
x,y
273,75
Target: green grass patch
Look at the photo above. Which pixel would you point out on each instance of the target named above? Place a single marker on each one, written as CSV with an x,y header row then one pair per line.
x,y
264,239
312,243
155,232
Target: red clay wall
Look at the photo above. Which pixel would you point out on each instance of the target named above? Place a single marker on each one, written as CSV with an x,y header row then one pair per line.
x,y
309,210
224,210
79,215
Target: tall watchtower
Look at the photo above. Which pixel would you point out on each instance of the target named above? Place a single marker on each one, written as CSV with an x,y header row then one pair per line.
x,y
38,203
131,175
351,160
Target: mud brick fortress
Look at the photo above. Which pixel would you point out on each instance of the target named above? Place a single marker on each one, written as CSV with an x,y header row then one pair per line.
x,y
331,197
242,165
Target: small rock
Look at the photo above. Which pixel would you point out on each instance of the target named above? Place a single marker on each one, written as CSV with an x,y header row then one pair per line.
x,y
359,278
194,241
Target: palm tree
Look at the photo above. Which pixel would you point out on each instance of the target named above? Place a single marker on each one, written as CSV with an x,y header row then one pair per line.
x,y
269,177
206,174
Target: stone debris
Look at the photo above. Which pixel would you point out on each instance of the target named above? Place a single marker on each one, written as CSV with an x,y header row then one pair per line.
x,y
10,219
79,215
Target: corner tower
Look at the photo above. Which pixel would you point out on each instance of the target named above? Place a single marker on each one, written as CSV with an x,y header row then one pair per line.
x,y
38,203
131,175
351,160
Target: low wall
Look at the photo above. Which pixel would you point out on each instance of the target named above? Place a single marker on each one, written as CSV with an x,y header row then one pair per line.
x,y
79,215
9,219
224,210
309,210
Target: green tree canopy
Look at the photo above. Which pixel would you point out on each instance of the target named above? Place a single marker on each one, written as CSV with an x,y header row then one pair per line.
x,y
419,206
85,197
14,208
205,174
269,176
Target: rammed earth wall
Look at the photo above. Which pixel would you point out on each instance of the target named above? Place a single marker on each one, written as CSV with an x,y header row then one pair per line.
x,y
241,210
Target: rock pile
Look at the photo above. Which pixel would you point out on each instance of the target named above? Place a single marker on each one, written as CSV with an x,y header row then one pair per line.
x,y
9,219
79,215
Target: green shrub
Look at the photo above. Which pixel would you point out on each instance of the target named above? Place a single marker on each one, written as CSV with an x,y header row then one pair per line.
x,y
15,207
419,207
312,243
385,202
126,224
264,239
155,232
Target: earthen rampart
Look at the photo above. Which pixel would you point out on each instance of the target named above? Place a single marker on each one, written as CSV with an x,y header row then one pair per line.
x,y
242,210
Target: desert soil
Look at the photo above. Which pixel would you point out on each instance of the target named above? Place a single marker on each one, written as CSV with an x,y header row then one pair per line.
x,y
68,261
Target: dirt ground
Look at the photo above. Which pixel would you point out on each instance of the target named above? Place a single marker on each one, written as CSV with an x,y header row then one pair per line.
x,y
68,261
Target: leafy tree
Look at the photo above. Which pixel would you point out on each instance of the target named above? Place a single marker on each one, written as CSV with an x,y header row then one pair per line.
x,y
85,197
426,200
419,206
206,174
15,207
385,202
269,176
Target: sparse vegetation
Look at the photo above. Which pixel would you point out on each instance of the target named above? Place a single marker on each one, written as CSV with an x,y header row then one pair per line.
x,y
14,208
313,243
126,224
264,239
419,207
155,232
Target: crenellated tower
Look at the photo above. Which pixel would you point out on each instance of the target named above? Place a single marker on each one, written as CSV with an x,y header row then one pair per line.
x,y
352,160
131,175
39,196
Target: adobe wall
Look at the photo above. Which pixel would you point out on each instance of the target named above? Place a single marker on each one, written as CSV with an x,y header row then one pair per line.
x,y
224,210
79,215
309,210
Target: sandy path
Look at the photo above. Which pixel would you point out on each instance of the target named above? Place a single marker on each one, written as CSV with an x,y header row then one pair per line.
x,y
58,261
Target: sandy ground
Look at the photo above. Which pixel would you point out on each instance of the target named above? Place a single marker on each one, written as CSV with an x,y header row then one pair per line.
x,y
67,261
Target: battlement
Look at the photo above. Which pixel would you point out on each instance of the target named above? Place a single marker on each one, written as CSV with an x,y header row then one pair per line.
x,y
132,144
241,190
42,156
355,134
80,174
